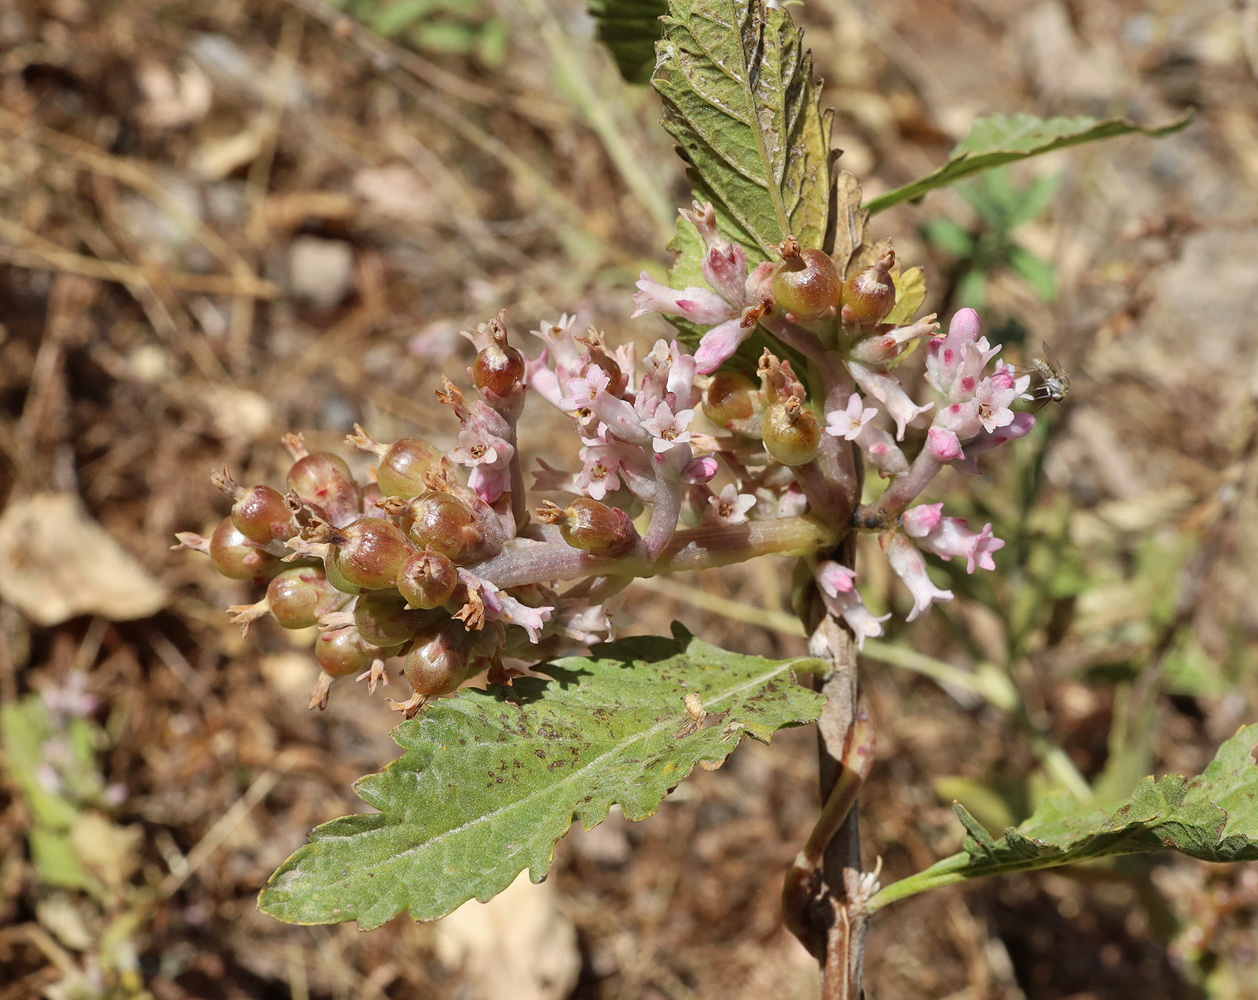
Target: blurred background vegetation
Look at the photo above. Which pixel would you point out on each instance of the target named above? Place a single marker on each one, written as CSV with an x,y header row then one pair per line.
x,y
225,219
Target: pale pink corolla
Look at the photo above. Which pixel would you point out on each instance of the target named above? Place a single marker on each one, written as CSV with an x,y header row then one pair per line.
x,y
948,537
699,305
994,397
581,392
849,423
882,452
838,589
729,506
668,429
719,344
599,474
890,393
910,567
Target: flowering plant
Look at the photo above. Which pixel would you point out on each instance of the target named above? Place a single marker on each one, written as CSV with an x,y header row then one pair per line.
x,y
791,325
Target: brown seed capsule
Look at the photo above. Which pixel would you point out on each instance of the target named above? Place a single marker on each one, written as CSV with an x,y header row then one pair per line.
x,y
444,523
369,552
403,465
383,619
731,397
344,651
428,580
499,369
792,433
238,558
297,597
869,294
324,479
806,283
591,526
437,664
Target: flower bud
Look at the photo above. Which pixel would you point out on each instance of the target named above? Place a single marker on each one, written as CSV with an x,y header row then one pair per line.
x,y
869,294
369,552
427,580
403,465
324,479
806,283
591,526
238,558
792,432
298,596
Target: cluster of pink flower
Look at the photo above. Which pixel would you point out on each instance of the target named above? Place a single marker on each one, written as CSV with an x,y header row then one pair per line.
x,y
453,577
846,341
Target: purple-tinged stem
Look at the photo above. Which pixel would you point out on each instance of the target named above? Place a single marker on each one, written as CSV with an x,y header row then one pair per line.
x,y
903,490
523,561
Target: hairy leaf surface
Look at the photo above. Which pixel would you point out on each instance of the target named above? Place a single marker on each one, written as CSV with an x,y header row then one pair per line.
x,y
630,29
1213,817
492,779
740,99
1002,139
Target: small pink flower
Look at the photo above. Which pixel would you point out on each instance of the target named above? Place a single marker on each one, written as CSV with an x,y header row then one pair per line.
x,y
668,429
890,393
729,506
994,397
699,305
599,475
910,567
581,392
699,470
849,423
947,537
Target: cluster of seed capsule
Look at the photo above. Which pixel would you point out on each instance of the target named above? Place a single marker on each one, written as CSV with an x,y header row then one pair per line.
x,y
373,566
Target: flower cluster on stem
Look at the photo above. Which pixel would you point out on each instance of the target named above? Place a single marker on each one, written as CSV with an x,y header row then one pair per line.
x,y
444,560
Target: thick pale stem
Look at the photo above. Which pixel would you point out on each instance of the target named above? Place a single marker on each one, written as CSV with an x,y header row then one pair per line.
x,y
519,498
523,561
841,859
664,514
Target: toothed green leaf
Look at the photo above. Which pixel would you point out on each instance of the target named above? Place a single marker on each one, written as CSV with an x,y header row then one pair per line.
x,y
1213,817
492,779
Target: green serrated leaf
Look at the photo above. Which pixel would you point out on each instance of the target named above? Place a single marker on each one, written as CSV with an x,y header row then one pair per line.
x,y
740,99
1003,139
1213,817
492,779
630,29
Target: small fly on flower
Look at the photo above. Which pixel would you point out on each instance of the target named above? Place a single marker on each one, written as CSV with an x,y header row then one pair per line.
x,y
1054,380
